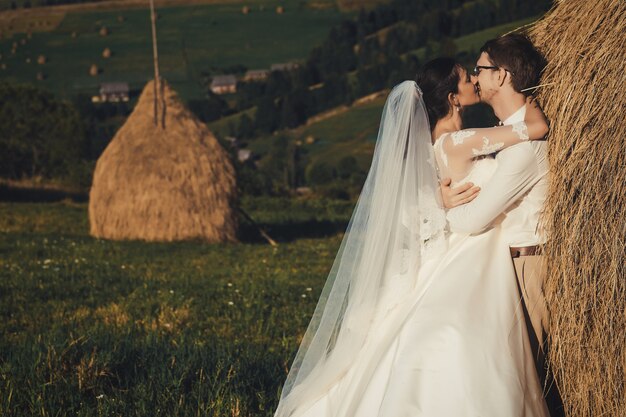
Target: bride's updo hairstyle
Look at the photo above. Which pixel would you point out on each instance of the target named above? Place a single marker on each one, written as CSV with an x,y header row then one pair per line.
x,y
437,79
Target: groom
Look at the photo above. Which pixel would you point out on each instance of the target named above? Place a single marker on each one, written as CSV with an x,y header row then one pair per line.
x,y
505,71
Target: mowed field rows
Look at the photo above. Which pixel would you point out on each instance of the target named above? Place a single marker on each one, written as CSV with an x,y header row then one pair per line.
x,y
192,40
99,328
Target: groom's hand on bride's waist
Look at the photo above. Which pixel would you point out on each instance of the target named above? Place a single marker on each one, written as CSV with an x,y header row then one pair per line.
x,y
462,194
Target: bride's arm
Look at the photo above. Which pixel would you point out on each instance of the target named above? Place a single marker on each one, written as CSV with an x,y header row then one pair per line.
x,y
517,172
470,143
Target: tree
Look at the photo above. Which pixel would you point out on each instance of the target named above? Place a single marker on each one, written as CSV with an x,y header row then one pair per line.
x,y
246,127
209,109
266,115
346,166
320,173
294,109
447,47
40,135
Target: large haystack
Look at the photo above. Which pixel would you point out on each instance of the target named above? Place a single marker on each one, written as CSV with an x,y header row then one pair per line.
x,y
163,184
585,99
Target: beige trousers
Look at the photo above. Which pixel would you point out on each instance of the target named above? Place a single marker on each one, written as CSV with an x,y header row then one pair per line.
x,y
530,272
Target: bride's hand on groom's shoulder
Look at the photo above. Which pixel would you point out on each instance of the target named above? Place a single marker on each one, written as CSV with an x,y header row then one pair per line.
x,y
536,119
462,194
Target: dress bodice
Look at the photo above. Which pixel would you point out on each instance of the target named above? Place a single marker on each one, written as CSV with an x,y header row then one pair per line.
x,y
480,171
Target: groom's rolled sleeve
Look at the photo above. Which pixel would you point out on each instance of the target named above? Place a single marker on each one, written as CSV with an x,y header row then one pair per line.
x,y
517,171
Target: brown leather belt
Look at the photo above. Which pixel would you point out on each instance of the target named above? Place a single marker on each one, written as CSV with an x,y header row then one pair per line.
x,y
516,252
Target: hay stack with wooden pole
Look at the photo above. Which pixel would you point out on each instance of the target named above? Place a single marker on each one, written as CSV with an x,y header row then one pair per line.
x,y
160,183
584,98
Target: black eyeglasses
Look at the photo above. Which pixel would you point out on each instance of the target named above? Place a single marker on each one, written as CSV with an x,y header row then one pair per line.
x,y
477,69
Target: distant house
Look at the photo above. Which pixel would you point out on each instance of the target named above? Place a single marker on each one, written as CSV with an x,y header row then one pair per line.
x,y
256,75
112,93
244,154
287,66
224,84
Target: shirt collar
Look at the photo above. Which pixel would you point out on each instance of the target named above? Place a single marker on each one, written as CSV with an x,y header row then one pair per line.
x,y
518,116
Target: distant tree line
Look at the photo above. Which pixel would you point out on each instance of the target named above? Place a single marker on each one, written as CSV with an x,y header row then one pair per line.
x,y
41,136
27,4
360,56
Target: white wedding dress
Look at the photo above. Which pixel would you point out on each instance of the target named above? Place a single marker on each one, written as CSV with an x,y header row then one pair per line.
x,y
463,348
414,322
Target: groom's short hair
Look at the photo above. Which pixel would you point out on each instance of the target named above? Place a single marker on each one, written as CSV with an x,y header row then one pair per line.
x,y
516,53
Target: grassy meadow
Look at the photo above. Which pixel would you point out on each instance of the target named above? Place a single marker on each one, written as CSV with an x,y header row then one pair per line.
x,y
192,40
100,328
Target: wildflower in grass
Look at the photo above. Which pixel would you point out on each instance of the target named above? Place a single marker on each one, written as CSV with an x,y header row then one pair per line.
x,y
171,291
303,295
47,261
230,284
309,289
123,266
230,303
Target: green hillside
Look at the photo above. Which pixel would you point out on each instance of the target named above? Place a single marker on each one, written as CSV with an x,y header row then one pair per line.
x,y
473,41
192,40
353,132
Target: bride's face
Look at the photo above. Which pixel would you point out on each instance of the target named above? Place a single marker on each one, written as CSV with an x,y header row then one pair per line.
x,y
468,93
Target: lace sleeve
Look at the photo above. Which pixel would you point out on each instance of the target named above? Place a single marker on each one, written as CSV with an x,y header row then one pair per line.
x,y
470,143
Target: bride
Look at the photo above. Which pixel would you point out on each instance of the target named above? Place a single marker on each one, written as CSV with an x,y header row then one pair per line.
x,y
413,320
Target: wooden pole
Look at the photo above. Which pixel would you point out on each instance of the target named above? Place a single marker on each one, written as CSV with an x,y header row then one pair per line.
x,y
259,228
155,54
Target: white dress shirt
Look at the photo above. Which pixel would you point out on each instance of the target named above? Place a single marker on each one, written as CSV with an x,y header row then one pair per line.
x,y
514,195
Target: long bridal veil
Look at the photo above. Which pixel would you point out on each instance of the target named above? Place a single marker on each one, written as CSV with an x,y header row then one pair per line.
x,y
397,224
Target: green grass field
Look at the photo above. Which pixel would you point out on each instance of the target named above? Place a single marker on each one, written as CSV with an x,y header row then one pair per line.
x,y
98,328
192,39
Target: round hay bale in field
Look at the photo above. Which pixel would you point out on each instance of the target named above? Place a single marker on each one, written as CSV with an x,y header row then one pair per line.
x,y
280,10
41,59
106,53
94,70
245,10
104,31
121,19
163,184
583,96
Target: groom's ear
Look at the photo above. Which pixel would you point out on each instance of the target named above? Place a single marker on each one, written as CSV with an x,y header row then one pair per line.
x,y
501,76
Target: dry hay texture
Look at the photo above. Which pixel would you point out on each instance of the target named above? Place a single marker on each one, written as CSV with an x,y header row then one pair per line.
x,y
160,184
585,101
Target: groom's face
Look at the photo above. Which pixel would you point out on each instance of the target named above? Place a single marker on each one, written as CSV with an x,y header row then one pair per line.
x,y
487,80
